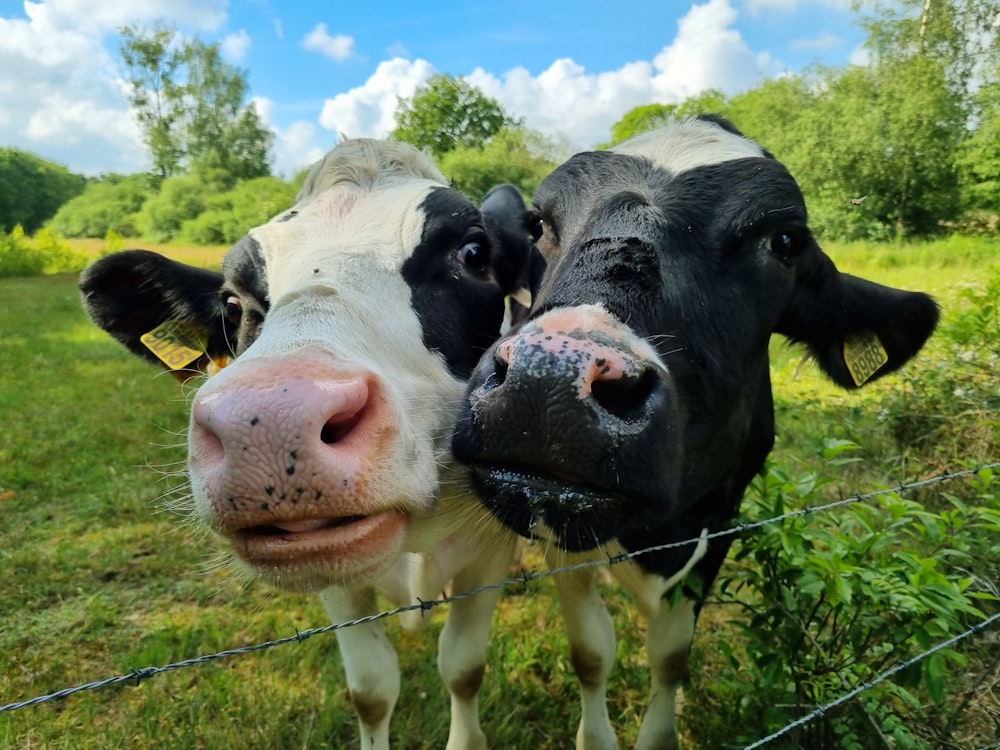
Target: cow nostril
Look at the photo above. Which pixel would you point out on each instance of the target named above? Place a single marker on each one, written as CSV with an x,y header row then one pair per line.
x,y
337,428
499,374
625,397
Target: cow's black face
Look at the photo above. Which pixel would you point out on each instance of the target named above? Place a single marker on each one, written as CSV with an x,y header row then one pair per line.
x,y
637,397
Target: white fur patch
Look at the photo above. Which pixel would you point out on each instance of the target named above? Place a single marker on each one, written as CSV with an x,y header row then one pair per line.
x,y
688,144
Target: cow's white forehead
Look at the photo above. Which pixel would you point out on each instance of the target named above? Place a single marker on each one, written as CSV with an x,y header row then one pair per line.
x,y
688,144
343,234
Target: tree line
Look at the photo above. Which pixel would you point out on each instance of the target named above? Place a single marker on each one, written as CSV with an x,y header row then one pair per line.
x,y
906,146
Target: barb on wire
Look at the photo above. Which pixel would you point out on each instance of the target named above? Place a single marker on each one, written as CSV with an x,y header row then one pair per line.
x,y
424,606
820,710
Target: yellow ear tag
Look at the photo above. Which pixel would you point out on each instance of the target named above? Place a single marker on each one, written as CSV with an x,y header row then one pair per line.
x,y
864,355
176,343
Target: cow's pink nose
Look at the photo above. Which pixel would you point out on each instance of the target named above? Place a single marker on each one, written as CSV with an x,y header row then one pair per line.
x,y
281,442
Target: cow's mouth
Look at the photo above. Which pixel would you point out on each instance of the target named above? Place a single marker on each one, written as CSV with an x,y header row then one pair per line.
x,y
578,516
340,549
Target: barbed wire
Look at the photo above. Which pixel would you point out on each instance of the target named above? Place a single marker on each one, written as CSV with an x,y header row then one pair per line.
x,y
821,710
138,675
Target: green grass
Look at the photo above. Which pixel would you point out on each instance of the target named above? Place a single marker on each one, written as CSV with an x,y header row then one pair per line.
x,y
97,579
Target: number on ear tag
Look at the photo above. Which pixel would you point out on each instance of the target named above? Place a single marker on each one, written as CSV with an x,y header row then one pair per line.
x,y
176,343
864,355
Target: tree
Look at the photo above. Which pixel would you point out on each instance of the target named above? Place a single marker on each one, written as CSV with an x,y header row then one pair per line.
x,y
152,62
190,106
651,116
108,203
639,120
516,156
32,189
979,159
448,113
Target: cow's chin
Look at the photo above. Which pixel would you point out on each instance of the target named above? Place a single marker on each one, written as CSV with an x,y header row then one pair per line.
x,y
350,552
574,517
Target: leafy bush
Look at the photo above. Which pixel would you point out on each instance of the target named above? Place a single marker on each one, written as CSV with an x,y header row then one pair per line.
x,y
110,203
949,408
513,156
228,216
46,253
828,602
32,189
180,199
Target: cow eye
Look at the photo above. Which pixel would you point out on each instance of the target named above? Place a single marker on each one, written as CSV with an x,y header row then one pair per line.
x,y
474,255
784,244
535,225
232,306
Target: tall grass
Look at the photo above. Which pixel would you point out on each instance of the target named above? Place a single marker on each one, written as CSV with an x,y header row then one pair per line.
x,y
96,579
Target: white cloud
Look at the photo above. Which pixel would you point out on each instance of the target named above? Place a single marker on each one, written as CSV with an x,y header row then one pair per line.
x,y
707,52
87,15
235,46
294,146
65,101
369,110
337,47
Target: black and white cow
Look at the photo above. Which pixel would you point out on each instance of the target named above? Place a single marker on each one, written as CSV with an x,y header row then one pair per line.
x,y
634,406
321,453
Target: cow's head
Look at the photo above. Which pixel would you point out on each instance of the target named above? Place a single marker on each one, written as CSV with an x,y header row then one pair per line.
x,y
353,320
638,394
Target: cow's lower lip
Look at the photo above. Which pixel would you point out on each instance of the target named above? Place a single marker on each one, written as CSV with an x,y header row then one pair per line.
x,y
345,546
543,492
576,517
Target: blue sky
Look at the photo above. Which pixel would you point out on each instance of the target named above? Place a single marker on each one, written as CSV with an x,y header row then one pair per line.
x,y
570,69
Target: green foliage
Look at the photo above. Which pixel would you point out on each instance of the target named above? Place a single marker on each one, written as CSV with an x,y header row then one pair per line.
x,y
189,104
448,113
109,203
651,116
97,582
45,253
827,603
954,399
32,189
180,199
514,156
980,159
228,216
639,120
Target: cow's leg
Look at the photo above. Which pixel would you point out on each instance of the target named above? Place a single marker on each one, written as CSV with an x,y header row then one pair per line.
x,y
668,643
369,662
465,637
591,636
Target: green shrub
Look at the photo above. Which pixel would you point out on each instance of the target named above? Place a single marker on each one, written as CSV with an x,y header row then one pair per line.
x,y
45,253
228,216
512,156
827,602
108,204
949,407
180,199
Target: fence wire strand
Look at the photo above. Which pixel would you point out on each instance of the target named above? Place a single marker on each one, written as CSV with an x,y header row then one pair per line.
x,y
820,710
138,675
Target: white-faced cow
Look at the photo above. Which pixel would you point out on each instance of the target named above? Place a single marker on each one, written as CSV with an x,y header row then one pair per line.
x,y
321,452
634,405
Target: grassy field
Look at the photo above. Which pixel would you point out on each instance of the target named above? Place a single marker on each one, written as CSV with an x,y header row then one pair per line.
x,y
97,579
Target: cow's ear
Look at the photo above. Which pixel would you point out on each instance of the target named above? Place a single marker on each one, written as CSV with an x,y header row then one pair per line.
x,y
518,266
857,330
166,312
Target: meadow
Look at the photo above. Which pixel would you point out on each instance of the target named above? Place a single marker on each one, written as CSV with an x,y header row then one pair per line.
x,y
98,578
